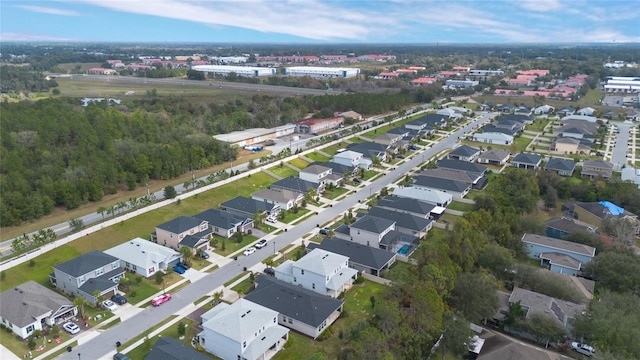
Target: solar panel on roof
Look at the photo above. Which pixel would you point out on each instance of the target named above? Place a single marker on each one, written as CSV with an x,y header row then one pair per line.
x,y
556,310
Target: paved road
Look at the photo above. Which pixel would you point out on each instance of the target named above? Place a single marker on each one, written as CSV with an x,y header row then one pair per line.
x,y
619,153
105,342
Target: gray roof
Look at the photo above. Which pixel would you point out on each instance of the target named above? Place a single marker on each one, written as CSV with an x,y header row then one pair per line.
x,y
599,164
86,263
400,131
302,305
336,168
277,195
568,225
560,164
368,256
247,205
295,184
193,240
315,169
465,150
524,158
180,224
494,155
432,119
449,174
402,220
406,204
440,184
558,309
395,236
368,149
166,348
462,165
220,218
559,244
101,283
22,304
559,259
372,224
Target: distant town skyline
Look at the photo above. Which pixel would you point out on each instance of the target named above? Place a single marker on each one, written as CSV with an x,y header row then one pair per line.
x,y
321,21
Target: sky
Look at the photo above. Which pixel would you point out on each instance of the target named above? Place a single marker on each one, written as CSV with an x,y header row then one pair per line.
x,y
321,21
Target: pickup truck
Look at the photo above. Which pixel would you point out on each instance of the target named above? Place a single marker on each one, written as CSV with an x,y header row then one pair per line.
x,y
159,300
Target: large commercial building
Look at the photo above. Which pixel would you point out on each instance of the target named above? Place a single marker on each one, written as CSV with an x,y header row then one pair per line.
x,y
256,135
239,70
321,72
464,84
622,84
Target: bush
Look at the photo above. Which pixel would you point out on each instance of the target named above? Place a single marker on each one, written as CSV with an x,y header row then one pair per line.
x,y
138,280
359,279
32,263
159,278
133,293
325,334
31,344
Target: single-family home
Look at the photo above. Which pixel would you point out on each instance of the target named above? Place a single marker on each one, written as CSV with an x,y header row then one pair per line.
x,y
369,230
559,227
247,207
491,128
594,213
405,223
352,159
495,138
597,168
30,306
401,131
450,113
370,150
566,111
464,153
474,170
544,110
298,185
222,223
321,175
144,257
362,258
558,255
526,161
243,330
486,106
457,189
409,206
505,108
514,126
338,169
563,167
323,272
300,309
630,174
494,157
283,198
171,233
577,133
438,198
388,139
570,145
92,273
476,182
591,119
167,348
588,111
562,311
351,115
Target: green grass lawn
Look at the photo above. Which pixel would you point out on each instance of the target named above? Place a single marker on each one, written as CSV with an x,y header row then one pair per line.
x,y
336,192
316,156
20,347
355,140
244,287
358,308
283,171
460,206
368,174
333,149
232,245
593,97
538,124
448,219
299,163
289,217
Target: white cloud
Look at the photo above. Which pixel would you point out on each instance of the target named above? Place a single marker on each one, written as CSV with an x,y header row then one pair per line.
x,y
539,5
48,10
14,36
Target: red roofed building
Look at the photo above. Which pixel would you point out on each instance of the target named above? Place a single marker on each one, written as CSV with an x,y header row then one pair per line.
x,y
387,75
136,67
115,63
101,71
519,82
200,62
424,81
461,68
537,72
445,74
406,71
316,126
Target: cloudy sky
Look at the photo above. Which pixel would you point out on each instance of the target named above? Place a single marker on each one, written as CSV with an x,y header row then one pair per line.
x,y
321,21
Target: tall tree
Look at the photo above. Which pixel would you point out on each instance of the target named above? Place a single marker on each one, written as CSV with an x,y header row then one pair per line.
x,y
456,335
474,296
545,328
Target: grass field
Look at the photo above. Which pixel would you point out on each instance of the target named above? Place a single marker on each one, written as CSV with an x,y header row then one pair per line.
x,y
299,163
231,245
460,206
290,217
283,171
538,124
316,156
336,192
593,97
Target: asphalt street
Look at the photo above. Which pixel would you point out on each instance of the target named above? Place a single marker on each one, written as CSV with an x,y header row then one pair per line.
x,y
619,153
104,344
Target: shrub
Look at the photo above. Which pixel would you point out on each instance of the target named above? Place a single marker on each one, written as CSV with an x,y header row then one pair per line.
x,y
359,279
32,263
31,344
138,280
133,293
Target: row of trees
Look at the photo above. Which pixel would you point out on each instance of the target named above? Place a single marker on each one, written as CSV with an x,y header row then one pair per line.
x,y
17,79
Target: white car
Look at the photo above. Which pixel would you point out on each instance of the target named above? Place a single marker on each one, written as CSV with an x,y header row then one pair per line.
x,y
260,244
249,251
583,349
71,328
271,219
109,305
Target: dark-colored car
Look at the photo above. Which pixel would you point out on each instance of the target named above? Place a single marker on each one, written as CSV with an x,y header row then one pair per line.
x,y
357,181
324,231
203,254
179,269
411,147
119,299
270,271
120,356
185,265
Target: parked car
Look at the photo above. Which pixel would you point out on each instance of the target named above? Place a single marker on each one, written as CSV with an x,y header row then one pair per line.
x,y
120,356
71,328
269,271
109,305
179,269
159,300
411,147
324,231
583,349
357,181
119,299
249,251
260,244
271,219
185,265
203,254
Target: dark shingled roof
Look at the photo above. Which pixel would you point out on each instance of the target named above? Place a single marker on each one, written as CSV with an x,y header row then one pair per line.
x,y
372,224
462,165
406,204
293,301
368,256
560,164
524,158
22,304
220,218
180,224
465,150
295,184
402,220
86,263
440,184
247,205
166,348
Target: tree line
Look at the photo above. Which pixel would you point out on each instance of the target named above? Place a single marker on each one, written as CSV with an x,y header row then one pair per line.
x,y
17,79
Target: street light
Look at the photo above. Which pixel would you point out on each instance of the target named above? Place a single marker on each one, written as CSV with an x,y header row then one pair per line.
x,y
274,247
78,356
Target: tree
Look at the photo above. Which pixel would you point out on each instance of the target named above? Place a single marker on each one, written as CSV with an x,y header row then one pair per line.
x,y
621,230
515,316
101,210
170,192
550,284
474,296
456,335
217,297
182,328
497,259
187,254
544,327
195,75
96,294
550,198
310,195
79,302
76,224
616,269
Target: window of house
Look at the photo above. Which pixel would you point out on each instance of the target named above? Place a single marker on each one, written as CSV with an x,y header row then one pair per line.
x,y
313,286
81,280
99,272
295,279
302,271
30,328
244,344
114,265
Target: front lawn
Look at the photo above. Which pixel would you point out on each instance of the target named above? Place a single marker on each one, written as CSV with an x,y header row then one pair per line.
x,y
299,163
538,124
282,171
335,192
231,245
368,174
316,156
290,216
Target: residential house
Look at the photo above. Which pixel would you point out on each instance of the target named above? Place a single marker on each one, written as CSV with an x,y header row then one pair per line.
x,y
457,189
597,168
283,198
144,257
544,110
30,306
388,139
630,174
571,145
464,153
171,233
474,170
577,133
408,135
351,115
558,255
588,111
299,309
362,258
486,106
168,348
352,159
431,120
92,273
405,223
505,108
566,111
563,167
514,126
316,126
526,161
409,206
586,126
591,119
450,113
298,185
563,312
319,271
370,150
559,227
243,330
438,198
494,157
495,138
369,230
247,207
223,223
477,182
595,213
492,128
321,175
338,169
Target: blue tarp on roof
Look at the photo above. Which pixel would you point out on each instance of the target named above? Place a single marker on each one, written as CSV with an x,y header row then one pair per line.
x,y
613,208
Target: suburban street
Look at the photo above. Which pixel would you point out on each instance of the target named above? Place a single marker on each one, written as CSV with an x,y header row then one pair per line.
x,y
619,153
103,344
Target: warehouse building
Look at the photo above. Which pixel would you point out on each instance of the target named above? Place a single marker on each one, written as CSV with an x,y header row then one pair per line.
x,y
238,70
321,72
256,135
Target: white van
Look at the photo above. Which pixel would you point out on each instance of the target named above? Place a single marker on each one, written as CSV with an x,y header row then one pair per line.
x,y
583,349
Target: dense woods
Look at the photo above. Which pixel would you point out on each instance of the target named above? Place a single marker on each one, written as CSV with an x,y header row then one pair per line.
x,y
21,79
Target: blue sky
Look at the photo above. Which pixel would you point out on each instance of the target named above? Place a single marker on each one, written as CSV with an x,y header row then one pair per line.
x,y
321,21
